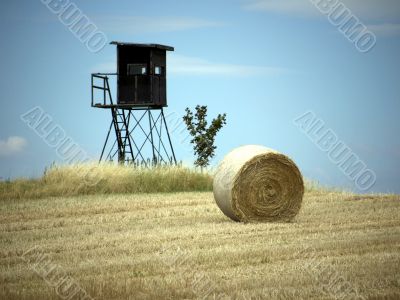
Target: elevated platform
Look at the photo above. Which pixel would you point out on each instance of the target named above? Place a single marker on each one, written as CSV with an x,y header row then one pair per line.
x,y
128,106
102,97
129,121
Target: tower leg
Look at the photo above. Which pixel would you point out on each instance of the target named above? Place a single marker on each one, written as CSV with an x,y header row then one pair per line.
x,y
169,137
131,130
106,141
154,160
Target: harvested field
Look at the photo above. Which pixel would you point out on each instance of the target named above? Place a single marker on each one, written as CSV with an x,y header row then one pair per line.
x,y
181,246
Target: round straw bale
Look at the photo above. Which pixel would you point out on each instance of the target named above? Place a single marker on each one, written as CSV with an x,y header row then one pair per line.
x,y
257,184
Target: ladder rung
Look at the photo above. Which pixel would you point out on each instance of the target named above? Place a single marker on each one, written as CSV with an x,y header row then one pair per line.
x,y
99,87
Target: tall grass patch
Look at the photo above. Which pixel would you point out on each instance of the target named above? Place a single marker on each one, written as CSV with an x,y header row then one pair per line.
x,y
107,178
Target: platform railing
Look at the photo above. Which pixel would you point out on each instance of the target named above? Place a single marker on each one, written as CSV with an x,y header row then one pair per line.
x,y
100,82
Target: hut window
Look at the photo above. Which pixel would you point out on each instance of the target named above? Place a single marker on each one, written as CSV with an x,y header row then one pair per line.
x,y
137,69
159,70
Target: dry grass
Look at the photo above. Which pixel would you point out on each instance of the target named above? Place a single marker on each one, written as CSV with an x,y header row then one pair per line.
x,y
106,178
112,246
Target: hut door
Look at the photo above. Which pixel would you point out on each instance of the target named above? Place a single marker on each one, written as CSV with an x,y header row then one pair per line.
x,y
156,89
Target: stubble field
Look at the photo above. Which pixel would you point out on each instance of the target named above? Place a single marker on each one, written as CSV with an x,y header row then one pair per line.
x,y
180,246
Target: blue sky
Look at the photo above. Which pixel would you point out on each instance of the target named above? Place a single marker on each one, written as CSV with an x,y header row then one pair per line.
x,y
263,62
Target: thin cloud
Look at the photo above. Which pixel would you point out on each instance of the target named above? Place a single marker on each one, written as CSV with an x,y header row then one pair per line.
x,y
106,67
154,24
183,65
12,145
292,7
375,9
369,9
385,29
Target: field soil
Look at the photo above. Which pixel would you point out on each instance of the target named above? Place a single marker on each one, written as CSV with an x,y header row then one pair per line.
x,y
181,246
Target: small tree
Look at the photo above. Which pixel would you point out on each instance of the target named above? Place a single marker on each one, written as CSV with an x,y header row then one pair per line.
x,y
203,137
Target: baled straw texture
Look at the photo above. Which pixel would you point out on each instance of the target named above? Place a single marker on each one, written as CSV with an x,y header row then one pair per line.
x,y
258,184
